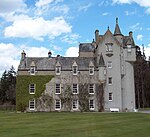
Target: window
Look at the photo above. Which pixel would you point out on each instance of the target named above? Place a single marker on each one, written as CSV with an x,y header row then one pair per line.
x,y
110,81
75,104
75,70
91,104
58,89
75,89
110,96
109,47
109,64
57,104
32,104
58,70
91,70
91,89
32,88
32,71
129,48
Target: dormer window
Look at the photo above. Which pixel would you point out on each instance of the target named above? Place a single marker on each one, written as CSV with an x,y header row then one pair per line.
x,y
91,68
58,68
32,71
32,68
109,47
75,68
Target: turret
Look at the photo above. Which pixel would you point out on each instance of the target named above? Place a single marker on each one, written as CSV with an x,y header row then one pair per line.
x,y
102,69
117,32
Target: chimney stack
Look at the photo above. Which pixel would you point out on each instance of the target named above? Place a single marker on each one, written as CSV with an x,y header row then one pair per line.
x,y
130,33
23,55
49,54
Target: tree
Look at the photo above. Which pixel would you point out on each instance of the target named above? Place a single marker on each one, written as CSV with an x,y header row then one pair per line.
x,y
142,76
7,86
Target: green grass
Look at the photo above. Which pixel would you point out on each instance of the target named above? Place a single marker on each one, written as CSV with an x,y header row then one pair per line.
x,y
74,124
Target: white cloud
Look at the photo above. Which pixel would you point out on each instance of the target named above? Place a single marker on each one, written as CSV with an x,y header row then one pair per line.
x,y
8,56
72,52
61,9
142,3
136,27
70,39
146,51
105,14
35,51
148,10
84,8
129,13
42,3
8,6
140,37
37,28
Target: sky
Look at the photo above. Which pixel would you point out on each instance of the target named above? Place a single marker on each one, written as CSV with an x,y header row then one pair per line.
x,y
37,26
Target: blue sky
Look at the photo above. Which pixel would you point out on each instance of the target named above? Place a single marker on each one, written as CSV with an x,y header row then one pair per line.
x,y
38,26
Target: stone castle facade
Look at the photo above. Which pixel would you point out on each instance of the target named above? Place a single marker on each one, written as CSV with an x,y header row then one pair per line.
x,y
100,79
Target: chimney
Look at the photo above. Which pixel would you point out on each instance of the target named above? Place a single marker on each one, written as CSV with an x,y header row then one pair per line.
x,y
96,35
130,33
49,54
23,55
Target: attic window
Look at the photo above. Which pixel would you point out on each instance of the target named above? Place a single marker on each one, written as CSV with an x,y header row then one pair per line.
x,y
32,71
109,47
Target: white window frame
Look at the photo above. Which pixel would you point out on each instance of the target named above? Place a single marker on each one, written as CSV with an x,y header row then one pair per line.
x,y
109,64
57,88
75,70
129,48
58,101
32,106
75,104
109,47
91,106
91,70
110,96
32,70
75,88
110,81
32,88
58,70
91,88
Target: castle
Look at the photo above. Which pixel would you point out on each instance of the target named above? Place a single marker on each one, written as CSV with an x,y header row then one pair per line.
x,y
100,79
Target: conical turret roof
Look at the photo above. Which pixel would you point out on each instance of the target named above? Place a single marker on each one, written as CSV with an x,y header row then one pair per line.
x,y
101,60
117,29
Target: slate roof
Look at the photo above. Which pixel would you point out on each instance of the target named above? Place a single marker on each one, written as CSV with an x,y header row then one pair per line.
x,y
45,63
117,29
86,47
127,40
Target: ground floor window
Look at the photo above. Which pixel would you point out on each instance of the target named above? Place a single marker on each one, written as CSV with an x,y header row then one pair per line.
x,y
110,96
75,104
57,104
32,104
91,104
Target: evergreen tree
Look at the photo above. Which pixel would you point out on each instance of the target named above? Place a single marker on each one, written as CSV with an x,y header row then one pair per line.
x,y
7,86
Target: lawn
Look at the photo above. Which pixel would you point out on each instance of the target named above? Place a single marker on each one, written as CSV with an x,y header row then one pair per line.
x,y
74,124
